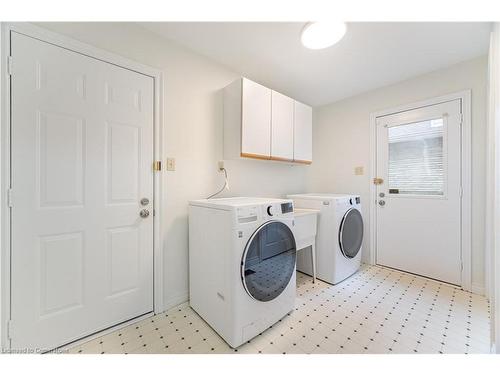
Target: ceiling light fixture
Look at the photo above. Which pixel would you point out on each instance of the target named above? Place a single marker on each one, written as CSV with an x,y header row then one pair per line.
x,y
319,35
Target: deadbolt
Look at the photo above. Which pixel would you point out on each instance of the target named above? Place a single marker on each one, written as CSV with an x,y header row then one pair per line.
x,y
144,201
381,202
381,195
144,213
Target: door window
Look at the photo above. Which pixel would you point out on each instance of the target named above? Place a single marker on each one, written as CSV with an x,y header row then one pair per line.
x,y
416,162
269,261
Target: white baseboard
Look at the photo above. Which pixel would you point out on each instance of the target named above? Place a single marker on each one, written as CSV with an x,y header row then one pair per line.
x,y
176,300
478,289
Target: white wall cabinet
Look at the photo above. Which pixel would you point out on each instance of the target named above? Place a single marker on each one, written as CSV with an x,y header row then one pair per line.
x,y
302,140
263,124
247,120
255,119
282,109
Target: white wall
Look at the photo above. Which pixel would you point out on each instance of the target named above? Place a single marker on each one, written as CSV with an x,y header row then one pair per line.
x,y
341,138
193,120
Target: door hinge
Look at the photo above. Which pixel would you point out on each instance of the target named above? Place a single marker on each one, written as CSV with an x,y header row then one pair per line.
x,y
461,119
157,165
461,192
9,197
9,65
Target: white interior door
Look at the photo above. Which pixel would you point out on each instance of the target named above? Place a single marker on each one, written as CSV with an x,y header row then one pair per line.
x,y
418,202
82,153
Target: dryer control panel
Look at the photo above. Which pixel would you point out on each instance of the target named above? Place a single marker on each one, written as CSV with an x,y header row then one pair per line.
x,y
354,200
348,202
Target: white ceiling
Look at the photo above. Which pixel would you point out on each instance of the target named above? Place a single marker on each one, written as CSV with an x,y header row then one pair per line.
x,y
370,55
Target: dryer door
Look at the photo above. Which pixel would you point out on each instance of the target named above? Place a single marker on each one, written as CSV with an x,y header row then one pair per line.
x,y
351,233
268,261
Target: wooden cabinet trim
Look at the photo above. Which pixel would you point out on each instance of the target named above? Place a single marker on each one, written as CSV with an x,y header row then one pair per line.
x,y
277,158
255,156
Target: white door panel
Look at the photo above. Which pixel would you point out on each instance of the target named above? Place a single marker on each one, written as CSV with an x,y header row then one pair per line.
x,y
418,203
302,132
255,120
82,153
282,126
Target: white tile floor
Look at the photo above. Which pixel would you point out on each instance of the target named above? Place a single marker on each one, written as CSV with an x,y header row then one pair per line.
x,y
378,310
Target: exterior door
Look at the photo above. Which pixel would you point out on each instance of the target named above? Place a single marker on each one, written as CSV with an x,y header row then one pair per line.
x,y
419,191
82,153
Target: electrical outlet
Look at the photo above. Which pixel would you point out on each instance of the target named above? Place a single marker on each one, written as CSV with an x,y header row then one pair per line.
x,y
221,164
170,164
359,171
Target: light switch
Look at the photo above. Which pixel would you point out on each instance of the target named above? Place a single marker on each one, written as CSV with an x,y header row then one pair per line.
x,y
359,171
170,164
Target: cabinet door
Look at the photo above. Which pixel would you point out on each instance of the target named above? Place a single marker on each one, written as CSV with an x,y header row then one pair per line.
x,y
255,120
302,145
281,127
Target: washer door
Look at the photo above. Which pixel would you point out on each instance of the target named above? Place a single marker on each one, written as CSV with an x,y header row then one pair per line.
x,y
351,233
268,261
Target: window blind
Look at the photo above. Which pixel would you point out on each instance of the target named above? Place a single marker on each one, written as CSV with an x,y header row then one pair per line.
x,y
416,158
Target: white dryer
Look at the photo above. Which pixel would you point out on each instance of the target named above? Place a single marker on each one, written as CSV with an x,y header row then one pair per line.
x,y
242,257
339,235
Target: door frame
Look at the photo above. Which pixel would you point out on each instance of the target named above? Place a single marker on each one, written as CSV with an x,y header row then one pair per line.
x,y
466,219
492,253
5,160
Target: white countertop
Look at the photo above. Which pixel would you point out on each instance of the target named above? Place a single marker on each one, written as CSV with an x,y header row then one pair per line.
x,y
304,211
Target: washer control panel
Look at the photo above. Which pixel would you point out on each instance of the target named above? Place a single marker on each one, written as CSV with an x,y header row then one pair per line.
x,y
251,213
247,214
279,209
286,207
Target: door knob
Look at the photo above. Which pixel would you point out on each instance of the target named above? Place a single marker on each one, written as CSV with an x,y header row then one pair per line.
x,y
381,202
144,213
144,201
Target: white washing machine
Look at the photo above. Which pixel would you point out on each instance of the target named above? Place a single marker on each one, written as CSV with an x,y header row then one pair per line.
x,y
339,235
242,257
